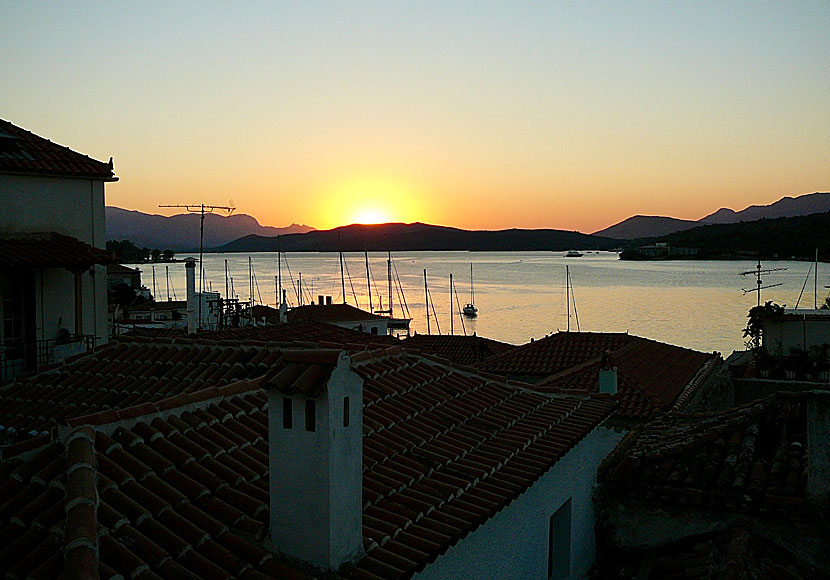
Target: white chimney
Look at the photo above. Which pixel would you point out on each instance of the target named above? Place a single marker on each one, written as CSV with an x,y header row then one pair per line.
x,y
284,308
818,459
316,466
190,269
607,375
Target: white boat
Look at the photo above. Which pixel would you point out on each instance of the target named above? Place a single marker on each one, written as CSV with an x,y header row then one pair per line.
x,y
573,254
470,309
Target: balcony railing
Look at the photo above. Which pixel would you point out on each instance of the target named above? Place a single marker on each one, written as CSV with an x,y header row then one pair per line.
x,y
19,356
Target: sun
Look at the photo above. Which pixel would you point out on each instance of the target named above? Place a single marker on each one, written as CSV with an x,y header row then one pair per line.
x,y
371,215
368,200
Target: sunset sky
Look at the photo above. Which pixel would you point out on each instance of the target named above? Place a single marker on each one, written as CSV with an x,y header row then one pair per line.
x,y
481,115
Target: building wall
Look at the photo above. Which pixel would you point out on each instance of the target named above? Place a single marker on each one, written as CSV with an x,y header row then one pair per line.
x,y
514,543
798,332
73,207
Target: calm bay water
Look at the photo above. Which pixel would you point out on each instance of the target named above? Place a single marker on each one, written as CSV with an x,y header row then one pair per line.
x,y
522,295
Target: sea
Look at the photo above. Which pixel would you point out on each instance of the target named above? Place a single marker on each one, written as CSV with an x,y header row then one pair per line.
x,y
520,296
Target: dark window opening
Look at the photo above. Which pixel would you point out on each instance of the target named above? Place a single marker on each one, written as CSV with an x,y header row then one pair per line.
x,y
559,542
346,411
310,415
287,417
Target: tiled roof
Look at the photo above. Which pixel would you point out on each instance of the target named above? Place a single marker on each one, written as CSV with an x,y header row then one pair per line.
x,y
181,482
464,350
444,450
26,153
123,374
307,331
121,269
748,459
721,555
49,250
158,305
653,377
165,496
331,313
554,353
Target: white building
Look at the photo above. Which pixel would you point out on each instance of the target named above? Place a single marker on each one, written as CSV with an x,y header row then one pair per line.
x,y
796,329
53,282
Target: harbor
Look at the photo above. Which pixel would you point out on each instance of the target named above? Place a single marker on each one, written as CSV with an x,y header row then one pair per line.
x,y
520,295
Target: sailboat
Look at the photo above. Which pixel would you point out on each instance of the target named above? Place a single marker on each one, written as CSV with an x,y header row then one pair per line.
x,y
470,309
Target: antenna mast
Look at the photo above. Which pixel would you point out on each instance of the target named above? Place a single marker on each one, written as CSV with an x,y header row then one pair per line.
x,y
757,273
201,209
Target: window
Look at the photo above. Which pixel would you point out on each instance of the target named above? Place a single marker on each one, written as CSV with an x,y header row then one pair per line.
x,y
345,411
559,542
310,415
287,418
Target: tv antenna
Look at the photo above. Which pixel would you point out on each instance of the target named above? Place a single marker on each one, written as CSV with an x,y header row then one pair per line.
x,y
202,209
757,273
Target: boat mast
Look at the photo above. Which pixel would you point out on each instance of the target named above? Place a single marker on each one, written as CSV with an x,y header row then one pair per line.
x,y
279,272
426,298
250,281
472,287
389,278
568,295
451,316
368,279
342,278
815,284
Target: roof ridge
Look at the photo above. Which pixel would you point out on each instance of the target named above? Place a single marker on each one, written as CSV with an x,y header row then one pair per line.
x,y
109,420
80,536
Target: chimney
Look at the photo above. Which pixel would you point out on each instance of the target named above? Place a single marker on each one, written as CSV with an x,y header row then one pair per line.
x,y
607,375
320,299
328,300
818,434
192,306
316,465
283,308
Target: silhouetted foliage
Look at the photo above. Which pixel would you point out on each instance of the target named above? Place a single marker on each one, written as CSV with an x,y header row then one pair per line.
x,y
127,252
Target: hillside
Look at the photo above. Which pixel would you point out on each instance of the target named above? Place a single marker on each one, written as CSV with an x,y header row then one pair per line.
x,y
418,236
641,226
781,238
785,207
645,226
181,232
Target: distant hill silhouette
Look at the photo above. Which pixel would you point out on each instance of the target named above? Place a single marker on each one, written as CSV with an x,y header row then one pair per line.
x,y
418,236
640,226
780,238
646,226
785,207
181,232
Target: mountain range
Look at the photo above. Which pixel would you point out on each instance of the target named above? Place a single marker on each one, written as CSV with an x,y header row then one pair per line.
x,y
181,232
243,233
641,226
418,236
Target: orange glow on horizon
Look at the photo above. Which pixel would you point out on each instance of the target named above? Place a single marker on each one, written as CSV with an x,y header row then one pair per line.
x,y
367,200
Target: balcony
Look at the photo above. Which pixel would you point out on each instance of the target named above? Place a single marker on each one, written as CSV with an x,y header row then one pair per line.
x,y
19,356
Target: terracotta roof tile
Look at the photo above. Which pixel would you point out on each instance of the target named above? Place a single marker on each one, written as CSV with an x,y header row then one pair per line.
x,y
750,458
463,350
49,250
24,152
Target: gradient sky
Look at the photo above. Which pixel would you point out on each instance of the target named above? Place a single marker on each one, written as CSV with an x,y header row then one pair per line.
x,y
481,115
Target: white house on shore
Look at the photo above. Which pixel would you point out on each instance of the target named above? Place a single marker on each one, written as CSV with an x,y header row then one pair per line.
x,y
53,280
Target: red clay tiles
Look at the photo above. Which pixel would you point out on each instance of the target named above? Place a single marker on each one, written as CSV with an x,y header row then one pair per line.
x,y
184,486
749,459
24,152
462,350
653,377
49,250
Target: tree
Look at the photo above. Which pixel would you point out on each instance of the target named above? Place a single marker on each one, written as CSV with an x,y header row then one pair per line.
x,y
757,315
168,255
156,255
